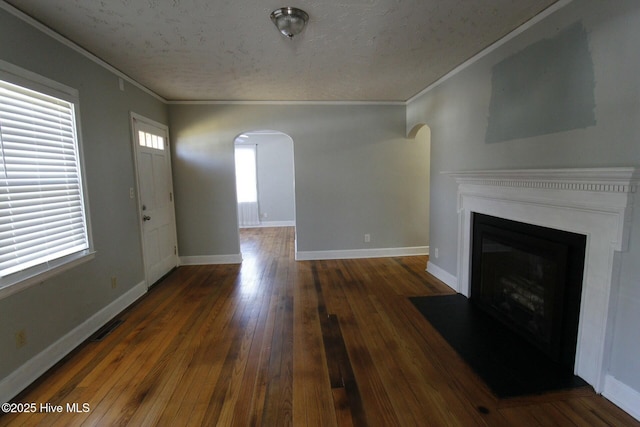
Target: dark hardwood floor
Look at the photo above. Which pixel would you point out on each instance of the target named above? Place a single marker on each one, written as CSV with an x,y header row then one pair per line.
x,y
276,342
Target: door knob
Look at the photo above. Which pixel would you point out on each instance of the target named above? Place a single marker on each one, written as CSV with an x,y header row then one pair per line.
x,y
146,218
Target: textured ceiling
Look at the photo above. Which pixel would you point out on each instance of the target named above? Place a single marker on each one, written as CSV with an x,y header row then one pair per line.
x,y
351,50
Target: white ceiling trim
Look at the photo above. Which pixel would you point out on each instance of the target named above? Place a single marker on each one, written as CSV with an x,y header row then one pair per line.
x,y
79,49
221,102
486,51
70,44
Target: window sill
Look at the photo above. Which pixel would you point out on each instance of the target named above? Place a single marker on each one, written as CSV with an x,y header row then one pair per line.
x,y
20,281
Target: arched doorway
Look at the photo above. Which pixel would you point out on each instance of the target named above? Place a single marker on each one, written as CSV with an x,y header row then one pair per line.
x,y
421,133
265,179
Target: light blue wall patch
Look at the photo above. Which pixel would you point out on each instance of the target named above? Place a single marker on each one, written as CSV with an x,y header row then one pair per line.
x,y
548,87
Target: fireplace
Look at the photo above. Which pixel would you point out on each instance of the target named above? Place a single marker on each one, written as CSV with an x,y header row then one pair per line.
x,y
529,278
595,203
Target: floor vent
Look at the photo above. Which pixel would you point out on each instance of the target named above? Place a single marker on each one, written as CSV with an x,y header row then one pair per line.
x,y
106,330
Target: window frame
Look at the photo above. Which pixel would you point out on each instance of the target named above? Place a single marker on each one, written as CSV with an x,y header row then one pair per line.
x,y
18,281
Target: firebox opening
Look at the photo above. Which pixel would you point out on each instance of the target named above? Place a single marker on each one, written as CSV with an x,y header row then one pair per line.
x,y
530,278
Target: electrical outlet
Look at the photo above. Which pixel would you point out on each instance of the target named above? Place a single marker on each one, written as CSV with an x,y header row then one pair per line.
x,y
436,254
21,338
114,282
367,238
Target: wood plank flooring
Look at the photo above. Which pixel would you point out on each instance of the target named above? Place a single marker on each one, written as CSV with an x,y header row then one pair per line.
x,y
275,342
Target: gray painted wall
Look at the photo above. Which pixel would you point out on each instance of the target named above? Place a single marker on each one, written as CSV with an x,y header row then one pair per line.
x,y
459,113
545,88
355,173
275,175
51,309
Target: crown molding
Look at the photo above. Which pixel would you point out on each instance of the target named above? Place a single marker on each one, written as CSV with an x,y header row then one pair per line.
x,y
77,48
72,45
486,51
231,102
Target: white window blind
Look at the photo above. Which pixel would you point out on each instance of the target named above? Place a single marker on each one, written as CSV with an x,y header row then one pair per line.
x,y
42,214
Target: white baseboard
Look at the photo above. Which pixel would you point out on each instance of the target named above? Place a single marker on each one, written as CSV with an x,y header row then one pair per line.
x,y
19,379
211,259
440,274
361,253
264,224
622,396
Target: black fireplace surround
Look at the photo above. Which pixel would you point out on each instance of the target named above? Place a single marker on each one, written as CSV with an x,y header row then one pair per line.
x,y
529,278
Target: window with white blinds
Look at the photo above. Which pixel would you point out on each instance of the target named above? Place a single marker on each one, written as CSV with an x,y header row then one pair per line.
x,y
42,209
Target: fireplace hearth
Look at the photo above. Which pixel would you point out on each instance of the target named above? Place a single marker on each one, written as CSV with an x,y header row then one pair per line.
x,y
593,202
530,279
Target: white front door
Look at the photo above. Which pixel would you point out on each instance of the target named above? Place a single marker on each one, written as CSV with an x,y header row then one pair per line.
x,y
155,198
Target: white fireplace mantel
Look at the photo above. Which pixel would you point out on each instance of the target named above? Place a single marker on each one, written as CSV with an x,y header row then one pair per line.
x,y
594,202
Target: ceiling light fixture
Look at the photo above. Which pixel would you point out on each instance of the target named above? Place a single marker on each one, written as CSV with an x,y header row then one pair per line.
x,y
289,20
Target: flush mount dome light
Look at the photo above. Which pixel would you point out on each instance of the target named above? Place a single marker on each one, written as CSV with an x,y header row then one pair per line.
x,y
289,20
